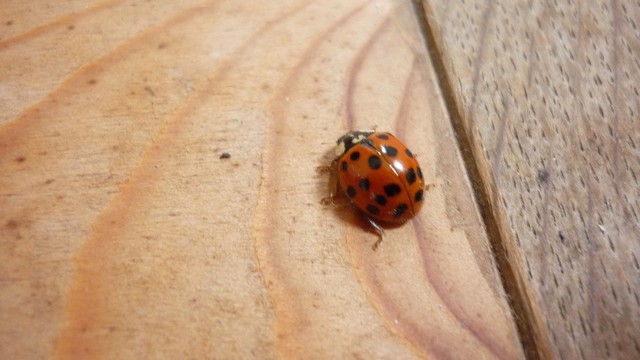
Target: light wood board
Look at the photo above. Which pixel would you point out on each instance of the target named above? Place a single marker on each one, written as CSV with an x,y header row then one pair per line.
x,y
547,96
124,235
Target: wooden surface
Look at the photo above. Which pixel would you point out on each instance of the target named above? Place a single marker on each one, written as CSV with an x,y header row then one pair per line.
x,y
547,96
124,235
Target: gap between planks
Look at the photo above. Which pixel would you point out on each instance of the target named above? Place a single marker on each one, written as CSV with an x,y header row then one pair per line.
x,y
515,296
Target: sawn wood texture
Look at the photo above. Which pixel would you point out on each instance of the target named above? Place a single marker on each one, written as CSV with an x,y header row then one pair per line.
x,y
124,234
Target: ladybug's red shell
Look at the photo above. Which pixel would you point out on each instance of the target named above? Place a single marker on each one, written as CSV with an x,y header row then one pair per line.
x,y
380,175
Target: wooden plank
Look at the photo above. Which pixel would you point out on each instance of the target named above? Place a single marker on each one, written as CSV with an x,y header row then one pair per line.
x,y
124,233
548,100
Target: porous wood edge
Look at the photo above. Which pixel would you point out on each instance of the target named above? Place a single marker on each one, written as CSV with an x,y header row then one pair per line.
x,y
126,234
548,100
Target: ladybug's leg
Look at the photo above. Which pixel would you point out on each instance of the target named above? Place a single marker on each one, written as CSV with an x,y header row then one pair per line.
x,y
428,187
379,232
333,168
334,199
325,169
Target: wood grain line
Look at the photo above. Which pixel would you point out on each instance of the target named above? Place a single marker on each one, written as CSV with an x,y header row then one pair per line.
x,y
290,315
474,328
403,109
415,333
532,341
67,19
616,104
582,171
477,64
82,310
357,64
78,79
382,302
431,273
500,141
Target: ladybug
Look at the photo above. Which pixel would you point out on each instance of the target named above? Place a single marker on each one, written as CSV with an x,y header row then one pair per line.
x,y
380,176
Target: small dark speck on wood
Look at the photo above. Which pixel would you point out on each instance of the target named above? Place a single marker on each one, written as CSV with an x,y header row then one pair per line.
x,y
543,175
225,155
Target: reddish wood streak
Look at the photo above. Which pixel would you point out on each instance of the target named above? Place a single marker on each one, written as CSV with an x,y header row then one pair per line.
x,y
59,22
477,329
84,75
355,68
290,315
86,308
401,115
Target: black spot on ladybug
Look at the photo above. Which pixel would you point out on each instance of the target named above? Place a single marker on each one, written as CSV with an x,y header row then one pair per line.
x,y
373,209
382,136
355,156
408,152
380,199
411,176
374,162
419,195
351,191
343,166
364,184
419,173
392,190
390,150
400,210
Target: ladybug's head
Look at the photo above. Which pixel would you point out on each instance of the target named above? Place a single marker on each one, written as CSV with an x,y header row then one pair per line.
x,y
351,139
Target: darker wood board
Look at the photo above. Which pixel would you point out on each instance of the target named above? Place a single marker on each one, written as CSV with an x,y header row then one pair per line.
x,y
547,99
